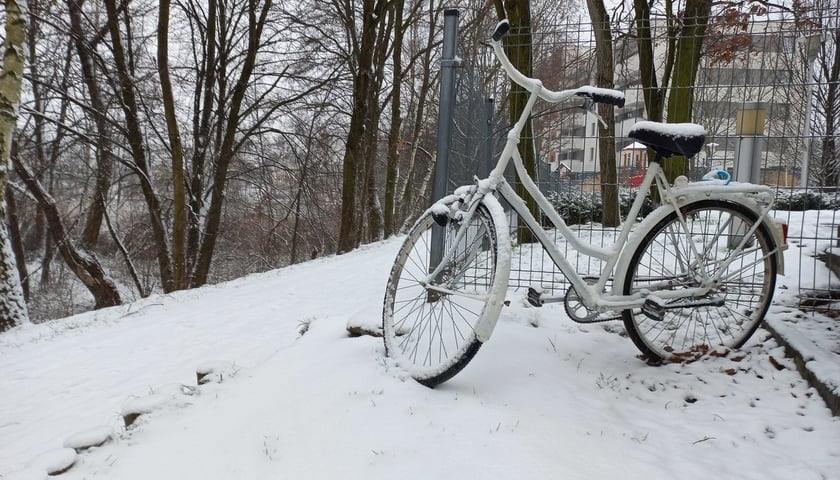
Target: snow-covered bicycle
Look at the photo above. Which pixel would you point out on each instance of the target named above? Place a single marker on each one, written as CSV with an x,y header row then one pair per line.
x,y
696,273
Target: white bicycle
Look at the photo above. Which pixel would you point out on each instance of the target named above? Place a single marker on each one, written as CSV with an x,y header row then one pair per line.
x,y
696,273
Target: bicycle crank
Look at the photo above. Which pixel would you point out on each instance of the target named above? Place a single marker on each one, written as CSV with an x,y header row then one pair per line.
x,y
580,313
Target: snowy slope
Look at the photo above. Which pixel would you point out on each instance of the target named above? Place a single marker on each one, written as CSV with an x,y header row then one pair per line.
x,y
545,398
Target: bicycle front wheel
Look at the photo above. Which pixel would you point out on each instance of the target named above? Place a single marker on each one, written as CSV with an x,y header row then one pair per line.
x,y
685,250
430,320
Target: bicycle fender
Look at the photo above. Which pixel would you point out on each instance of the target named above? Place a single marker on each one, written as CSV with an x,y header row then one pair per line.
x,y
640,230
503,252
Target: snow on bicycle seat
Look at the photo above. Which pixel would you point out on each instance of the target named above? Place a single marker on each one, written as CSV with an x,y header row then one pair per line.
x,y
669,139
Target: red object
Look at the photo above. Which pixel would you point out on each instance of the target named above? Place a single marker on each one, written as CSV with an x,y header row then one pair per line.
x,y
635,180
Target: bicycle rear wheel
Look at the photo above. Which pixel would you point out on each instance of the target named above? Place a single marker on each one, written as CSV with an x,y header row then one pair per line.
x,y
429,324
678,253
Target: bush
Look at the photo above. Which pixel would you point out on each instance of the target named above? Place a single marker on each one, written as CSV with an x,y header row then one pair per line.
x,y
626,199
577,208
798,200
584,207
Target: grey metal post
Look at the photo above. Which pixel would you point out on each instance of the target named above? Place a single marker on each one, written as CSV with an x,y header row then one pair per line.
x,y
749,126
444,138
812,46
748,153
489,112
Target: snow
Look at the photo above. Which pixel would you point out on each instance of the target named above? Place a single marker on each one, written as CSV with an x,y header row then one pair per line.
x,y
635,146
613,97
53,461
674,130
28,474
544,398
440,209
92,437
822,363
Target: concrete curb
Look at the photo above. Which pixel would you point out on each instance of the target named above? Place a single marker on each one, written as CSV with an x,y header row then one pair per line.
x,y
820,368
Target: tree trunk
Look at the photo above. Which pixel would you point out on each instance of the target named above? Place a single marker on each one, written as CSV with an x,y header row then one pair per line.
x,y
179,214
373,214
349,235
132,270
392,167
93,224
12,304
647,69
13,224
228,144
830,105
686,63
606,138
128,102
81,262
518,43
408,191
203,101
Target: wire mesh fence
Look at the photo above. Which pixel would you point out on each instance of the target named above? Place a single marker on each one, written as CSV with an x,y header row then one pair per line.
x,y
763,91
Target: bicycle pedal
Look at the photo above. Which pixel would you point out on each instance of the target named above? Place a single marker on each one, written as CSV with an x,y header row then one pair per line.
x,y
653,309
534,297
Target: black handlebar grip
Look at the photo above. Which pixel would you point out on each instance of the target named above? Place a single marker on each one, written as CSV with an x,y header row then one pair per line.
x,y
608,99
501,29
603,95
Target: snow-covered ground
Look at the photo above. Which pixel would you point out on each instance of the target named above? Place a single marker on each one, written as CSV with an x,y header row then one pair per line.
x,y
294,396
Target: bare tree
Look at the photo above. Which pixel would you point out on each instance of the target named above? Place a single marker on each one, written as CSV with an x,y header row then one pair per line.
x,y
826,17
422,81
392,165
365,43
12,305
85,49
606,138
179,197
127,92
519,43
77,257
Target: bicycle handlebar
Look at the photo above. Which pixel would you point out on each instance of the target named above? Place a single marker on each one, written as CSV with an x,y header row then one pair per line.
x,y
501,29
599,95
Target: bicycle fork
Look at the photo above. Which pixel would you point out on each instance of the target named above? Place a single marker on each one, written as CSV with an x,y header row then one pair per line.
x,y
441,260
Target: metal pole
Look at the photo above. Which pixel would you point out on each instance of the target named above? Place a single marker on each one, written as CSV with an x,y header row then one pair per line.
x,y
749,126
812,49
444,138
806,140
489,111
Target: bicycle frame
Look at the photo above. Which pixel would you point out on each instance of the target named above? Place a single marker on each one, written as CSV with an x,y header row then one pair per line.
x,y
695,273
594,296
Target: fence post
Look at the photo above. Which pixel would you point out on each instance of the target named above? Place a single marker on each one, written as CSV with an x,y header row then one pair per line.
x,y
749,127
812,45
444,138
489,111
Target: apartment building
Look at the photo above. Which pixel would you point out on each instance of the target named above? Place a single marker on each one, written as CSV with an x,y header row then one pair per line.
x,y
762,67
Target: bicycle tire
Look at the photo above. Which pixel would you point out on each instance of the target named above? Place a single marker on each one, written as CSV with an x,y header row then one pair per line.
x,y
433,334
663,257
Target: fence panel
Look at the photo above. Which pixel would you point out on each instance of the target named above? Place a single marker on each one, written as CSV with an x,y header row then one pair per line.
x,y
760,83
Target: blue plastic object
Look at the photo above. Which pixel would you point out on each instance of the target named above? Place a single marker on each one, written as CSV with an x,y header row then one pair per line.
x,y
719,175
